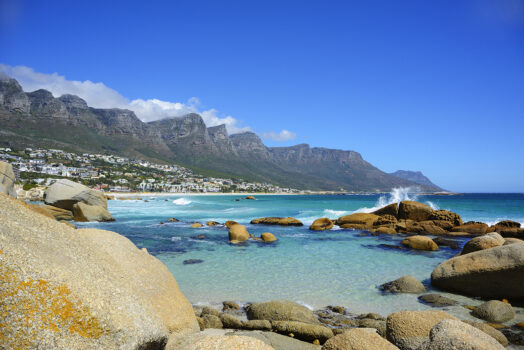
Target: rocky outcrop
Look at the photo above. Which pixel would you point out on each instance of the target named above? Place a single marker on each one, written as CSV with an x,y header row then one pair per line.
x,y
454,334
487,241
390,209
409,210
277,221
405,284
321,224
238,233
420,243
57,213
358,339
492,273
362,221
437,300
409,329
477,228
303,331
7,179
12,97
268,237
494,311
84,212
65,193
82,288
281,310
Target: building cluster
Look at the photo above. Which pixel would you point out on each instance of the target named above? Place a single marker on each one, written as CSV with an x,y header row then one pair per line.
x,y
119,174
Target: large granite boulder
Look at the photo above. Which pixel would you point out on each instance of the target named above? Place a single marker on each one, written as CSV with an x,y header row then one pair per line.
x,y
420,243
362,221
476,228
215,339
58,213
492,273
409,329
277,221
494,311
416,211
281,310
391,209
358,339
404,284
489,330
65,193
445,215
7,179
82,289
321,224
457,335
84,212
277,341
268,237
238,233
489,240
303,331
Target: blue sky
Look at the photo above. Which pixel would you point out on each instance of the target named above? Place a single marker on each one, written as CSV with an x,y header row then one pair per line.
x,y
436,86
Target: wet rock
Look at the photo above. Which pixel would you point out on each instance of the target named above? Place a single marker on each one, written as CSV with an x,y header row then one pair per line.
x,y
196,225
385,230
358,339
507,224
277,221
268,237
212,223
405,284
362,221
391,209
437,300
261,325
410,210
372,316
489,240
230,223
444,242
281,311
321,224
172,220
238,233
250,197
206,310
494,311
230,305
211,321
304,331
337,309
193,261
230,321
492,332
420,243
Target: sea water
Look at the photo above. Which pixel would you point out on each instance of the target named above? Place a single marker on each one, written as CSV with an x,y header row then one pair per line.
x,y
336,267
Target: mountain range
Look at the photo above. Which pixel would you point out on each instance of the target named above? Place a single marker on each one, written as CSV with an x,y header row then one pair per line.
x,y
38,119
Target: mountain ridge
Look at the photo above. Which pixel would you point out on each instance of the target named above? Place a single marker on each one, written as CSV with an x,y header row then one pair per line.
x,y
38,118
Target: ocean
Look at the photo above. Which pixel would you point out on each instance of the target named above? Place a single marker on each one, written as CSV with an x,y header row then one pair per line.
x,y
336,267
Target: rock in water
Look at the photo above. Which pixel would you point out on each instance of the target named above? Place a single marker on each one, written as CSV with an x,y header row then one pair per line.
x,y
405,284
268,237
420,243
65,193
7,179
303,331
391,209
321,224
238,233
85,212
362,221
494,311
281,310
358,339
437,300
82,289
410,210
277,221
491,273
489,240
454,334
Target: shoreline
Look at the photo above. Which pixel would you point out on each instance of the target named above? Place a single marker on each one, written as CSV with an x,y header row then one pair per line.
x,y
321,193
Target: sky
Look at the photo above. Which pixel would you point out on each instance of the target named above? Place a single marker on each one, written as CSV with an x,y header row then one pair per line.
x,y
435,86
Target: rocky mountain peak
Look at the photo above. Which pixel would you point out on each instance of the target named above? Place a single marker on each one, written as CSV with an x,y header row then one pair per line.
x,y
73,101
12,97
45,105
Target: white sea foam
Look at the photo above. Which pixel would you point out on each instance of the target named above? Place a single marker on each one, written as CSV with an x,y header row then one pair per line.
x,y
181,201
330,213
174,239
395,196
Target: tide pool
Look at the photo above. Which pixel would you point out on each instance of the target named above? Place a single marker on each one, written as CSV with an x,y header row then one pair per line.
x,y
337,267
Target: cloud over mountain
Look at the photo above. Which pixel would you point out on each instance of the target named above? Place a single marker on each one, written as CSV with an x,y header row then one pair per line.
x,y
284,135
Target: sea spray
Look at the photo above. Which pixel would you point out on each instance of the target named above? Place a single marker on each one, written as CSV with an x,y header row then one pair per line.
x,y
397,195
181,201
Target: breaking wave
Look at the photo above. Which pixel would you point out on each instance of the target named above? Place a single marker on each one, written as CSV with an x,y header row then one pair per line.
x,y
397,195
181,201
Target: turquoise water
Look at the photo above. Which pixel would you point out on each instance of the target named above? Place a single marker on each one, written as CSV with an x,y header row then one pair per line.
x,y
315,268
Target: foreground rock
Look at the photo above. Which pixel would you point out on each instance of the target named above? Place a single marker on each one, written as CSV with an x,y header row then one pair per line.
x,y
358,339
494,311
359,221
409,329
238,233
281,310
303,331
65,193
7,179
405,284
82,289
492,273
277,341
278,221
215,340
321,224
52,212
420,243
487,241
492,332
268,237
84,212
453,334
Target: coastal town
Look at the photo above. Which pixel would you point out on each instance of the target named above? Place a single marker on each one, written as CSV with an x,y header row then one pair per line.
x,y
110,173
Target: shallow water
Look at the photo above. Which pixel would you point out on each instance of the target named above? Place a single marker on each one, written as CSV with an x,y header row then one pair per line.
x,y
315,268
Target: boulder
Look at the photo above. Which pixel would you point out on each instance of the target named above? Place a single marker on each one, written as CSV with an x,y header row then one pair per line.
x,y
385,219
410,210
444,242
277,341
362,220
215,339
277,221
492,273
206,310
260,325
212,223
405,284
489,240
391,209
81,289
492,332
510,232
420,243
281,310
84,212
409,329
429,227
65,193
268,237
230,223
378,325
58,213
477,228
172,220
494,311
238,233
321,224
454,334
447,216
511,240
437,300
385,230
230,305
7,179
303,331
250,197
196,225
358,339
211,321
230,321
507,224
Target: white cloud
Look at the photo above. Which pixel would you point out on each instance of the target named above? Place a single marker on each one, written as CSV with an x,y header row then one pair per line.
x,y
100,96
282,136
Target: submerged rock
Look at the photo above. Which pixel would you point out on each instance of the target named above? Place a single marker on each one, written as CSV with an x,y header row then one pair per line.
x,y
193,261
321,224
420,243
437,300
281,310
277,221
405,284
268,237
